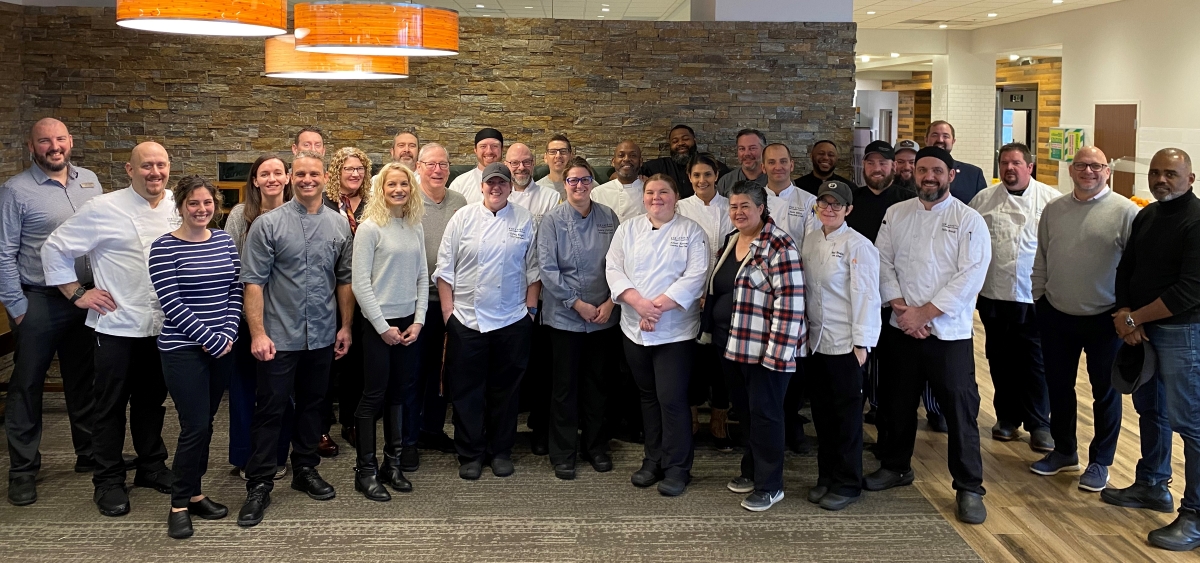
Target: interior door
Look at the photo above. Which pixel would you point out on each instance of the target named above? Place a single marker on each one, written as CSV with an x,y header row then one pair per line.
x,y
1116,135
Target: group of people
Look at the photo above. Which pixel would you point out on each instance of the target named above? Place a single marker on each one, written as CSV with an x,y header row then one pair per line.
x,y
744,288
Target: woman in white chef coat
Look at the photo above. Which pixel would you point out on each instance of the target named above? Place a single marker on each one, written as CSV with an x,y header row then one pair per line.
x,y
841,269
711,210
656,268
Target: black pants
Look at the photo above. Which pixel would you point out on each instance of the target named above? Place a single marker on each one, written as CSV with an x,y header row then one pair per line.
x,y
876,371
535,386
623,412
242,396
391,372
303,374
345,378
837,415
485,371
949,368
1014,355
662,374
51,324
196,381
758,396
425,408
128,372
708,379
578,392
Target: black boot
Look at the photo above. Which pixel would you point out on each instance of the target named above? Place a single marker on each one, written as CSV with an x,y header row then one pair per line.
x,y
367,468
391,473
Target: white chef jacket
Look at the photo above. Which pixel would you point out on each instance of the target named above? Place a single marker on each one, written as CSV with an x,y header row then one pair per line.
x,y
794,211
938,256
470,185
490,259
115,231
841,291
671,260
1013,223
535,199
625,199
713,218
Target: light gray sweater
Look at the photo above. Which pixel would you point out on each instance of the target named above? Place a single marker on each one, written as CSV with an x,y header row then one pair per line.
x,y
1079,246
390,272
437,216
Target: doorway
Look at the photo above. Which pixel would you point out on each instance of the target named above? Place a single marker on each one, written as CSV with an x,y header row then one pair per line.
x,y
1016,120
1116,135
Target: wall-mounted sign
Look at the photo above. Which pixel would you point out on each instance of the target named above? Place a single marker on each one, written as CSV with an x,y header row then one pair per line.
x,y
1064,143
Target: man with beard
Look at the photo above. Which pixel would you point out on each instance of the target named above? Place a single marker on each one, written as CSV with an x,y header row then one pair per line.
x,y
623,194
1013,345
558,153
489,147
33,204
310,139
968,178
533,196
404,151
824,157
750,143
115,231
933,252
906,160
682,140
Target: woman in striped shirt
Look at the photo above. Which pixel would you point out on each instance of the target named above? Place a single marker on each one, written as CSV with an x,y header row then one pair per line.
x,y
195,270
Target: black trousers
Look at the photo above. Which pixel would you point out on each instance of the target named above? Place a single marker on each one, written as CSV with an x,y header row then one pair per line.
x,y
662,374
758,396
837,415
1014,355
303,374
391,372
345,378
196,381
708,379
535,386
51,324
578,391
128,373
425,408
623,413
484,375
949,368
875,372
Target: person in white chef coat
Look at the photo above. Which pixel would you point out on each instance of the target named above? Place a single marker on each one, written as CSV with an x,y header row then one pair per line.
x,y
841,274
934,253
489,149
1012,209
711,210
656,268
623,193
487,278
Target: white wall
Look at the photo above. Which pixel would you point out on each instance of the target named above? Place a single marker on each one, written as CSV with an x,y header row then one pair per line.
x,y
870,102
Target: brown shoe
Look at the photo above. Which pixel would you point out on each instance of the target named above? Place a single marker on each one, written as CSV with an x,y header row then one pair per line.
x,y
327,447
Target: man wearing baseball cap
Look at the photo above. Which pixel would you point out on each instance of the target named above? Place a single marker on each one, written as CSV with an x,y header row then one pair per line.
x,y
489,148
906,159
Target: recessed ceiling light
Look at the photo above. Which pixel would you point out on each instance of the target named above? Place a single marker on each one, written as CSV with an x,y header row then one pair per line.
x,y
528,7
866,58
479,5
992,15
895,55
870,13
943,26
603,9
599,16
1056,1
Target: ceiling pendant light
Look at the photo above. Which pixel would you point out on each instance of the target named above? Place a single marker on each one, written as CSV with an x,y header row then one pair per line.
x,y
283,60
246,18
375,28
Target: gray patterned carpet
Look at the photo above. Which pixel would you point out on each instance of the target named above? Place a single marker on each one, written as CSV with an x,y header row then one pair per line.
x,y
530,516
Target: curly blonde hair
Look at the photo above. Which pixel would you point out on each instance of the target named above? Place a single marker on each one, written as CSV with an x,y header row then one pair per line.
x,y
334,188
377,210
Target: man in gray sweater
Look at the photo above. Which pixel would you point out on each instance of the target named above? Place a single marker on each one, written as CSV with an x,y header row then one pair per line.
x,y
1080,240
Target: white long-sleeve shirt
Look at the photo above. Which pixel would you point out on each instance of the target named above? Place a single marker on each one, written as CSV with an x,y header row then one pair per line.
x,y
1012,222
470,185
938,256
115,231
536,199
490,259
671,260
794,211
841,291
713,218
625,199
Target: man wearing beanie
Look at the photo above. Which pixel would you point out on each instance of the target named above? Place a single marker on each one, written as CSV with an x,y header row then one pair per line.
x,y
489,147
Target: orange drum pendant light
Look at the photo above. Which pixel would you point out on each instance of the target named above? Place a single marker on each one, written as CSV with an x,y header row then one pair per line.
x,y
247,18
375,28
284,61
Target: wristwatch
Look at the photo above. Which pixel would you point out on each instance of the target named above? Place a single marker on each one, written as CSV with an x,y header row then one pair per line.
x,y
79,291
1129,321
856,347
533,311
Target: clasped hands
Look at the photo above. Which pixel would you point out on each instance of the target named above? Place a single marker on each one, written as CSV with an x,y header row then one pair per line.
x,y
914,321
596,314
651,310
1131,335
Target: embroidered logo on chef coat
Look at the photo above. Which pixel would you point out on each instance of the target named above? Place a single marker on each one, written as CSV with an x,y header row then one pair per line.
x,y
516,233
606,229
952,229
795,211
678,242
837,254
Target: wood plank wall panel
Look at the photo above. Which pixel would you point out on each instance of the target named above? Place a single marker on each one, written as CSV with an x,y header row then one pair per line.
x,y
1046,74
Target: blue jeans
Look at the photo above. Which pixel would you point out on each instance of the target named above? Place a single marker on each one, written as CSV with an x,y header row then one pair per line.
x,y
1179,369
1150,402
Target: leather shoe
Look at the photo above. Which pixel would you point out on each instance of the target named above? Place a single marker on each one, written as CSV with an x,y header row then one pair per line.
x,y
22,490
367,482
1155,497
112,500
1041,440
970,508
646,476
308,481
539,443
815,493
1181,535
85,464
327,447
207,509
392,475
601,462
502,467
161,480
835,502
1004,432
258,498
410,459
672,486
883,479
179,524
565,471
470,470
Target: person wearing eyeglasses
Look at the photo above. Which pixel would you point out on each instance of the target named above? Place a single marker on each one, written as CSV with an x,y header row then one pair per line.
x,y
558,153
711,211
489,148
841,293
572,243
1079,243
656,266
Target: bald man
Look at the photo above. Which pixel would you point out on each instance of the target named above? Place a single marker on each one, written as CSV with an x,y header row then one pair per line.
x,y
33,204
624,192
115,231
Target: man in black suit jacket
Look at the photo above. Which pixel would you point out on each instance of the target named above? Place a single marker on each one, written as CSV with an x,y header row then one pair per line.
x,y
968,179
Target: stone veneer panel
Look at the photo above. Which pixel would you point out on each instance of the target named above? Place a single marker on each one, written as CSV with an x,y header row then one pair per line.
x,y
12,131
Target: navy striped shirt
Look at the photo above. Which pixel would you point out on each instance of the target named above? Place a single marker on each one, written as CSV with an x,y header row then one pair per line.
x,y
199,289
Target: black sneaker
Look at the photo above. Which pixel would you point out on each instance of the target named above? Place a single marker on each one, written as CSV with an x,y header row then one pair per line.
x,y
601,463
648,475
470,470
565,471
112,500
161,480
22,490
257,501
1137,495
502,467
760,501
308,481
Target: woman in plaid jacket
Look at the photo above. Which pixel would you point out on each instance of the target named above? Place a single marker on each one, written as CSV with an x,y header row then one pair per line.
x,y
755,310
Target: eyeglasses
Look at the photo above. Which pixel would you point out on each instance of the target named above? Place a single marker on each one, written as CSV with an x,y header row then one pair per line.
x,y
830,205
515,163
585,180
442,165
1093,166
557,152
354,169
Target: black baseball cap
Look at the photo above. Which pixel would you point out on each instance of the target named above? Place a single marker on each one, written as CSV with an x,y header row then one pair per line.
x,y
882,148
496,170
838,191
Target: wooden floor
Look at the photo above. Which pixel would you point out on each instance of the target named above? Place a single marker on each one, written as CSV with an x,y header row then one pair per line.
x,y
1035,518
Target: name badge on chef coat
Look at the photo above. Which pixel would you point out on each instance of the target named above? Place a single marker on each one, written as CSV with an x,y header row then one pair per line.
x,y
678,242
794,211
952,229
87,185
837,254
606,229
516,233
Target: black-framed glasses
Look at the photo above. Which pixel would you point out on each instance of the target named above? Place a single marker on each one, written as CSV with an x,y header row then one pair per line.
x,y
558,152
585,180
1093,166
516,163
442,165
830,205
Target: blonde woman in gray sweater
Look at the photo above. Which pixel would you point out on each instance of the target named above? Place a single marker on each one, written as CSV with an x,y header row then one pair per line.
x,y
389,282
